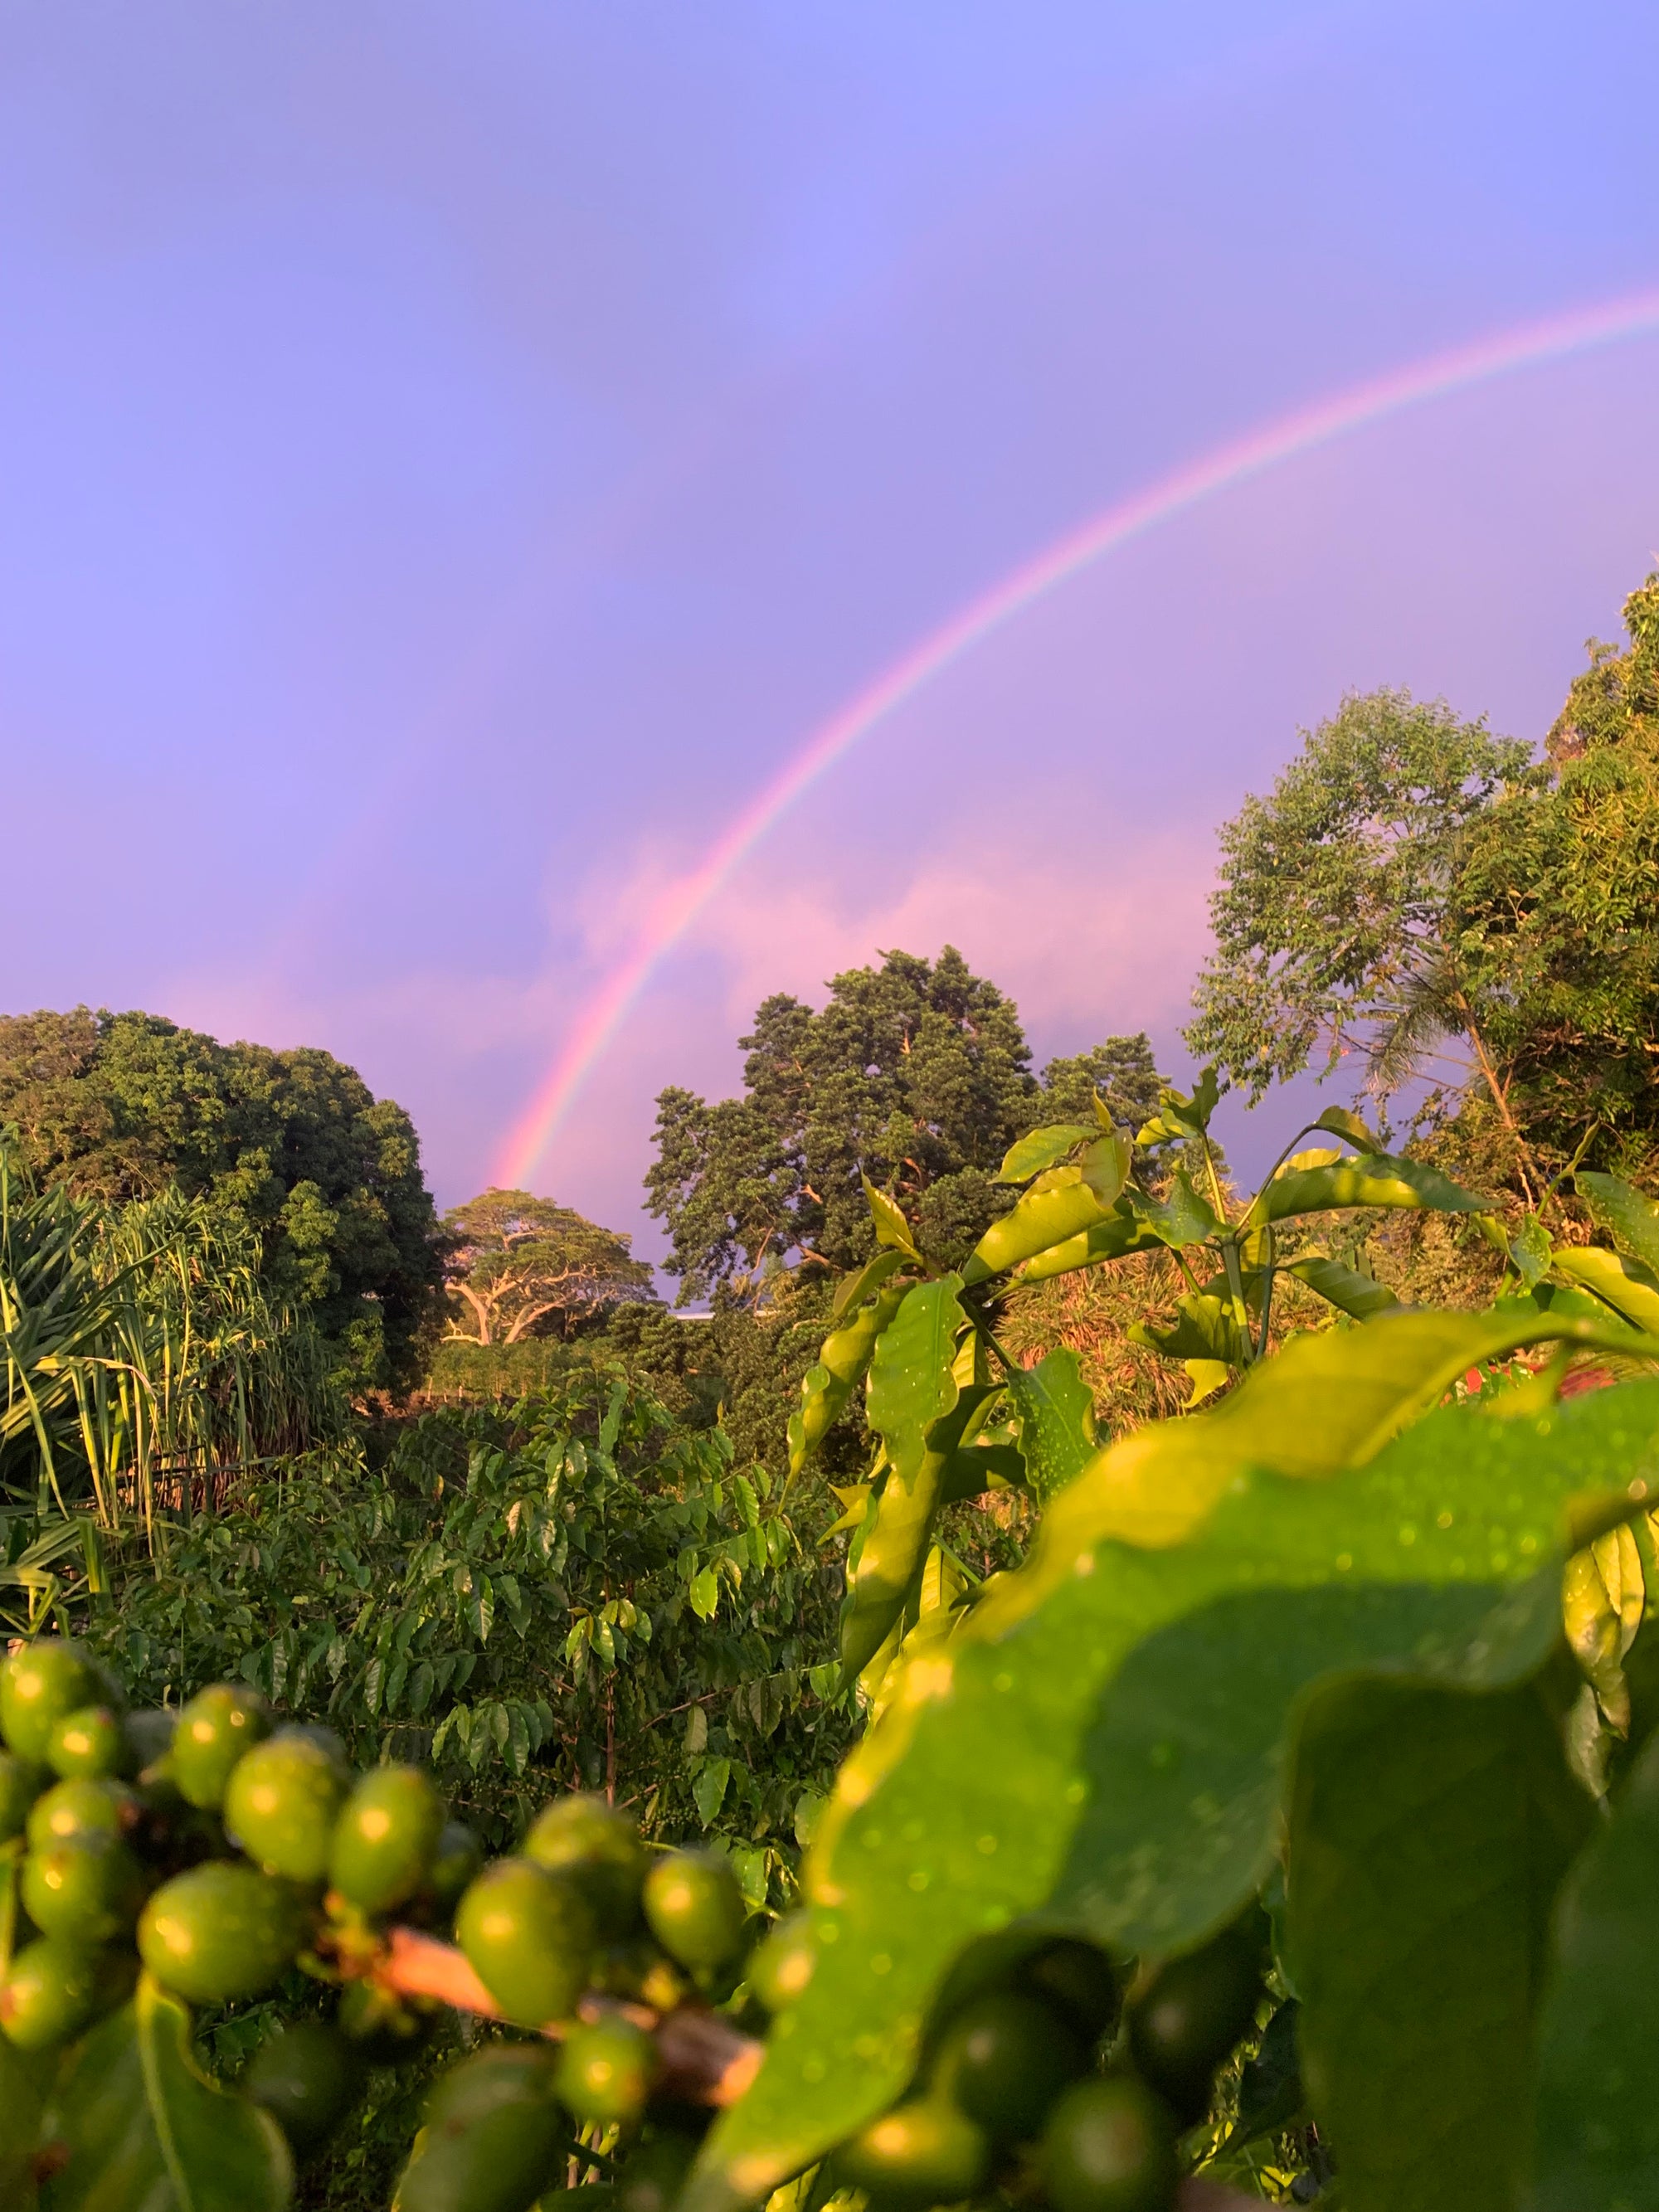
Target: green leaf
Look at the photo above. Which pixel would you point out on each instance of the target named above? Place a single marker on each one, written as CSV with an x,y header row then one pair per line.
x,y
705,1593
1378,1181
1621,1283
1531,1251
1206,1330
1042,1148
1060,1203
1055,1410
1633,1219
891,1227
1597,2116
709,1787
1411,1563
1346,1288
1429,1833
826,1390
852,1290
911,1381
139,2126
1181,1117
1341,1123
1183,1217
23,2081
1121,1234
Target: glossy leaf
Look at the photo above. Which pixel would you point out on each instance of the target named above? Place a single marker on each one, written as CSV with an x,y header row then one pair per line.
x,y
1530,1252
864,1282
1631,1218
1410,1564
1619,1282
885,1564
891,1227
1429,1833
1205,1330
138,2125
1057,1415
1181,1116
1377,1181
1121,1234
1044,1148
1360,1296
1182,1217
826,1390
1342,1123
911,1378
1597,2116
1060,1203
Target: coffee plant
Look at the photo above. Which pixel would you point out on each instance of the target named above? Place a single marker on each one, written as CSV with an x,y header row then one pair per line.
x,y
1288,1822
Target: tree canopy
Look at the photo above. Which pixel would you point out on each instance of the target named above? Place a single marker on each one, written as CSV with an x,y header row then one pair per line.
x,y
120,1106
915,1073
520,1267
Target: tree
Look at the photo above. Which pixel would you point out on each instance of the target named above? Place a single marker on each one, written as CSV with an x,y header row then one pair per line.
x,y
119,1106
1335,888
915,1074
517,1265
1555,911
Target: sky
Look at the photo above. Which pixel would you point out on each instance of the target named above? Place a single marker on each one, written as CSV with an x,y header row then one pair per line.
x,y
453,458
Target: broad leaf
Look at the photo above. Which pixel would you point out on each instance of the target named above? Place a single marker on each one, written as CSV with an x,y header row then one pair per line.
x,y
1377,1181
138,2125
1182,1117
1410,1564
891,1227
1531,1251
1633,1219
911,1381
852,1290
1044,1148
1181,1218
1346,1288
1121,1234
1341,1123
1057,1415
1597,2115
1619,1282
1205,1330
1060,1203
827,1389
1429,1833
23,2081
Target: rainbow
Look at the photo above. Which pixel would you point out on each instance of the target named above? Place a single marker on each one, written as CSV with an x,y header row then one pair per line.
x,y
1284,440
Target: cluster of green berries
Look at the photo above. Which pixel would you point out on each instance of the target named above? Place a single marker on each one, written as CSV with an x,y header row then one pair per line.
x,y
1049,2087
217,1850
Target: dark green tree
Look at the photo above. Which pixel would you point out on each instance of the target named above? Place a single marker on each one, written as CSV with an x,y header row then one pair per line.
x,y
119,1106
916,1074
520,1267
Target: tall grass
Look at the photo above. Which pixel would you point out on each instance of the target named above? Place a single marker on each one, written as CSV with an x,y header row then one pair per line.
x,y
145,1357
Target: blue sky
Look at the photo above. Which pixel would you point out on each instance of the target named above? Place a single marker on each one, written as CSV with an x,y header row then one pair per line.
x,y
453,454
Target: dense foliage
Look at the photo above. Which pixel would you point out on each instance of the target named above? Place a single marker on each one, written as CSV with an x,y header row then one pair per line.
x,y
123,1106
915,1073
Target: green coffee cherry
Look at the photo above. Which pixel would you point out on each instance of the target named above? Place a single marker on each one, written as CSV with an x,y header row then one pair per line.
x,y
1004,2059
654,2177
1079,1980
21,1783
1190,2016
220,1932
215,1729
308,2076
87,1891
40,1685
88,1742
782,1966
383,2027
493,2136
456,1860
695,1909
1109,2146
49,1995
918,2154
384,1839
601,1851
530,1937
281,1803
606,2069
148,1735
96,1806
